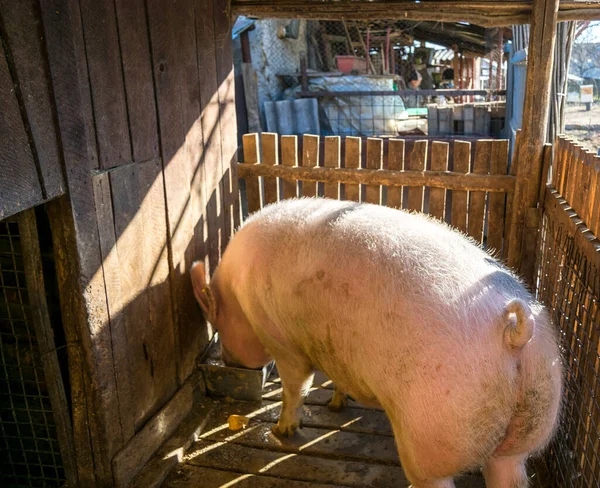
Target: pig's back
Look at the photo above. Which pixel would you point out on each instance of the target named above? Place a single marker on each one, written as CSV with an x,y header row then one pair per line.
x,y
395,308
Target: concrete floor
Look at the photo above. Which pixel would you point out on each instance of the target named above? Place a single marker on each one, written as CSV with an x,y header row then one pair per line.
x,y
353,448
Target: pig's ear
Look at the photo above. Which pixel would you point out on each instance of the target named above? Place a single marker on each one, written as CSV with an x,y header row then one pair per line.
x,y
202,290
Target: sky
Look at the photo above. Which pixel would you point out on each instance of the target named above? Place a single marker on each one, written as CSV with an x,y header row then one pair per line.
x,y
591,34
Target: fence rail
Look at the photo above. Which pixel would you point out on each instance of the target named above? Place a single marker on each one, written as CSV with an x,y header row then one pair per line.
x,y
469,190
577,179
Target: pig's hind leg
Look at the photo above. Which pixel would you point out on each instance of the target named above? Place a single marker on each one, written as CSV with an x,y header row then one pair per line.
x,y
296,378
506,472
339,400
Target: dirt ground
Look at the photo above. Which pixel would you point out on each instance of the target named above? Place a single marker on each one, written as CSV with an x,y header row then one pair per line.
x,y
584,126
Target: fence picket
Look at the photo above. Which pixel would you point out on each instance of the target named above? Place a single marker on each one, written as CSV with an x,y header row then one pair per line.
x,y
310,159
497,200
374,161
331,159
595,213
352,160
252,156
462,162
289,157
395,163
270,155
585,189
416,162
481,165
439,162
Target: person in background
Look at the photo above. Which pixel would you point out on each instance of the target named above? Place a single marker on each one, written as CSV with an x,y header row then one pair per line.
x,y
414,81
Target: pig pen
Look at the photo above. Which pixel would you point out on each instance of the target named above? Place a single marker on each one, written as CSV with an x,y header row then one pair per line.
x,y
470,186
466,183
354,447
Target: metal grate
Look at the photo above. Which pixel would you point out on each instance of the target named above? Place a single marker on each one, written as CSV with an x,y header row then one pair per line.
x,y
570,287
29,449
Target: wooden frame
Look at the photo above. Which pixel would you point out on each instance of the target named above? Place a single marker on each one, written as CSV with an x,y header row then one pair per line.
x,y
486,14
36,291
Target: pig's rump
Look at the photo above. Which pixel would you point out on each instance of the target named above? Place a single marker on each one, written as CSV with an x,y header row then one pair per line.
x,y
397,310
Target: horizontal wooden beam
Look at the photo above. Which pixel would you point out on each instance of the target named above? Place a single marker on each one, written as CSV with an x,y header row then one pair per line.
x,y
483,13
434,179
388,93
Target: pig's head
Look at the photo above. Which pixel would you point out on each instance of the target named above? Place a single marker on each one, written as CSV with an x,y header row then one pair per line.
x,y
240,344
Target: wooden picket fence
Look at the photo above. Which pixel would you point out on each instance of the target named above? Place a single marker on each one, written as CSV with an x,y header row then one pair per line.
x,y
576,178
470,190
568,283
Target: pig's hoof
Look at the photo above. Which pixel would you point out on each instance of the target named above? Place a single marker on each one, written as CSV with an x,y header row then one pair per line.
x,y
337,403
284,430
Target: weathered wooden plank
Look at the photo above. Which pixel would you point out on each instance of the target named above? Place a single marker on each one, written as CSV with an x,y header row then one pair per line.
x,y
374,161
141,247
62,241
24,39
462,163
435,179
481,165
159,329
535,116
36,291
226,91
350,445
106,82
595,212
176,76
212,235
310,159
417,162
439,162
558,162
137,73
584,188
395,163
193,475
270,155
173,449
572,194
497,200
352,160
338,472
566,154
19,182
252,156
289,157
331,159
509,199
128,462
116,298
82,287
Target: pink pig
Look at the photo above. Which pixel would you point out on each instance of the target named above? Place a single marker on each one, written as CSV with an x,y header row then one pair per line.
x,y
402,312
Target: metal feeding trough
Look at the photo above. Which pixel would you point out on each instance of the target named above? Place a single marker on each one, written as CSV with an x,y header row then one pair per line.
x,y
233,383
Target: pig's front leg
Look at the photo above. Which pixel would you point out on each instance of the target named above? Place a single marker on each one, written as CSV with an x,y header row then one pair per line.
x,y
339,400
296,378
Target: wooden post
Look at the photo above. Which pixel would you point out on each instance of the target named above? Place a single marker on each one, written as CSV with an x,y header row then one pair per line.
x,y
533,134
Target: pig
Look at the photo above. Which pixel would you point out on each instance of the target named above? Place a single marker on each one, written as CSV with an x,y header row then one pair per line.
x,y
402,312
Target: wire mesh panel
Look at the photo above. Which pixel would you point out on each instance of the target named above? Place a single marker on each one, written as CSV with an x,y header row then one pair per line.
x,y
569,285
29,449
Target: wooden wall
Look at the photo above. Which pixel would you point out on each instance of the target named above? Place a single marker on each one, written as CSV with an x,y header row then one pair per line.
x,y
133,102
30,170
